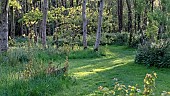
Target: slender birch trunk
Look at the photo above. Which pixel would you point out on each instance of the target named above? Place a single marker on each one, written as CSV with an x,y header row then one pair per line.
x,y
98,34
84,24
44,22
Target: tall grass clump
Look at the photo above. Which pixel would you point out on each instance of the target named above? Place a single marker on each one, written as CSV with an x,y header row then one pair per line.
x,y
34,78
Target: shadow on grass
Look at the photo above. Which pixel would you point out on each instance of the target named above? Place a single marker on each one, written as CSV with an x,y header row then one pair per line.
x,y
92,73
104,73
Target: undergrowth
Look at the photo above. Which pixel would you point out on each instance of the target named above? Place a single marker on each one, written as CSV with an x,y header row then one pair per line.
x,y
123,90
35,71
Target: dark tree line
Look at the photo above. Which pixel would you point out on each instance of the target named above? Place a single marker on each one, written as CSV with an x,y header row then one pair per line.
x,y
136,17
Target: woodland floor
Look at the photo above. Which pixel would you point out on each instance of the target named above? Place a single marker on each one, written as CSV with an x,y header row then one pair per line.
x,y
91,73
118,63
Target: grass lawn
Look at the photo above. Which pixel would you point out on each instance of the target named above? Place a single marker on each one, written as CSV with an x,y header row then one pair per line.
x,y
118,63
90,73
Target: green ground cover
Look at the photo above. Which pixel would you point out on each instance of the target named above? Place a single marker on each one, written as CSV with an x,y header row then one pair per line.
x,y
87,74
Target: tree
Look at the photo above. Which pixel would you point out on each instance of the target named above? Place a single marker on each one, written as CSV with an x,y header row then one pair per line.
x,y
4,25
120,14
13,7
54,3
98,34
129,21
77,2
71,3
84,24
44,22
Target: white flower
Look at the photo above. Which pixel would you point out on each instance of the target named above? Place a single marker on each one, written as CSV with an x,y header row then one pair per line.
x,y
138,90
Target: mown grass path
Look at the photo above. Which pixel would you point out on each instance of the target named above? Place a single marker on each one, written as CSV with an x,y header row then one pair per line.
x,y
119,64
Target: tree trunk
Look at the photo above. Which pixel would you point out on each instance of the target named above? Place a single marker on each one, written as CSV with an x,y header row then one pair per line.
x,y
152,5
135,16
77,2
71,3
160,31
139,21
12,22
84,24
22,28
120,14
98,35
135,25
145,19
129,21
3,25
44,22
162,23
63,3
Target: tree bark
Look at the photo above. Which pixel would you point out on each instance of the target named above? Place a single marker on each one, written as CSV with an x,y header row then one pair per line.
x,y
3,25
98,34
71,3
145,19
44,22
77,2
129,21
54,3
120,14
12,22
63,3
84,24
135,17
139,21
160,31
152,5
162,23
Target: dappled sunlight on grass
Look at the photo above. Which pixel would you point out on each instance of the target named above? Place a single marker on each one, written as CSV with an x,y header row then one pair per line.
x,y
84,67
100,65
82,74
108,68
95,72
123,60
89,74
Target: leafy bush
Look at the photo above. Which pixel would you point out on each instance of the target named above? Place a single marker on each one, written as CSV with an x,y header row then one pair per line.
x,y
115,38
122,90
136,41
154,54
121,38
21,39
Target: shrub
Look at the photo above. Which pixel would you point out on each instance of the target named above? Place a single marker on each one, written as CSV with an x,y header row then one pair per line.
x,y
154,54
136,41
122,90
21,39
115,38
121,38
